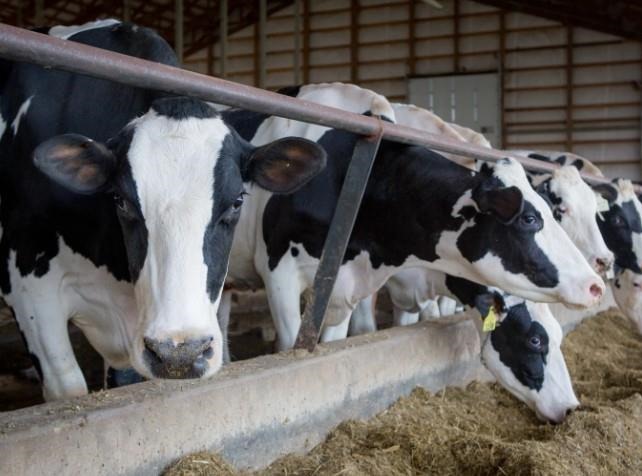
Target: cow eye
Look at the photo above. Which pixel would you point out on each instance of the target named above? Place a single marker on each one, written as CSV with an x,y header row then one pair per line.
x,y
562,209
238,202
530,222
535,342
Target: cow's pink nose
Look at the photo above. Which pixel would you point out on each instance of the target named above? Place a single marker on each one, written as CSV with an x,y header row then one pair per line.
x,y
596,290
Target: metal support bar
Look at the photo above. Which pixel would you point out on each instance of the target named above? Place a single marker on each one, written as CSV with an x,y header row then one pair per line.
x,y
337,239
223,38
18,44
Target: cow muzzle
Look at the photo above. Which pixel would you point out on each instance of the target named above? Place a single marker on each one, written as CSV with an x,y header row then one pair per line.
x,y
171,360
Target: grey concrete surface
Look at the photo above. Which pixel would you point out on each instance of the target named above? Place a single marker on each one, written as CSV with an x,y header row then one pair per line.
x,y
252,412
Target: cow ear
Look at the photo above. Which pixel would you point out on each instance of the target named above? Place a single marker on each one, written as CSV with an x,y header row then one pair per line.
x,y
607,191
491,299
75,162
286,164
505,203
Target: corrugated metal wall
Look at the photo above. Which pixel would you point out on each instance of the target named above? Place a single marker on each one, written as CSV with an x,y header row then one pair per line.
x,y
564,88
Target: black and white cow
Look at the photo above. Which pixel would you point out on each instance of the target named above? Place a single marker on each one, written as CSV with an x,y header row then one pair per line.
x,y
620,224
123,226
419,209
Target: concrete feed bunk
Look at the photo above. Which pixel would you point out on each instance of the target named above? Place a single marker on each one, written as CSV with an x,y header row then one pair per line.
x,y
483,430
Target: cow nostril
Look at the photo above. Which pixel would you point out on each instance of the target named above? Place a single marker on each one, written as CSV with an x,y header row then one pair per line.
x,y
595,290
569,411
601,264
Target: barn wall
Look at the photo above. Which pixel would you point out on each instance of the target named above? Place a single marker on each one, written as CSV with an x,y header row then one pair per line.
x,y
564,88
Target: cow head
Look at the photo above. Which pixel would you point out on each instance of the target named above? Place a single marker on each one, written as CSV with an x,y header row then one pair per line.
x,y
513,242
574,207
524,355
176,175
621,224
627,291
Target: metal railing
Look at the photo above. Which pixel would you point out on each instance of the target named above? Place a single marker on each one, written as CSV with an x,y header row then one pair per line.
x,y
23,45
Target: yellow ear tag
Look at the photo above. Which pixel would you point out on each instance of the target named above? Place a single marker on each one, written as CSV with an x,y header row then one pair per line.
x,y
490,321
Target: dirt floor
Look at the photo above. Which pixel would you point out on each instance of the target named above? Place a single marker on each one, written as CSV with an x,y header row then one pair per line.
x,y
482,430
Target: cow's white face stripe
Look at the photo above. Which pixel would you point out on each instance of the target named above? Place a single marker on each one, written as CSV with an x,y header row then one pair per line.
x,y
578,214
65,32
172,163
24,107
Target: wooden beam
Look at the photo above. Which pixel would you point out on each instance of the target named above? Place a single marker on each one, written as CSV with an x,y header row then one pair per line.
x,y
222,38
502,77
178,30
456,65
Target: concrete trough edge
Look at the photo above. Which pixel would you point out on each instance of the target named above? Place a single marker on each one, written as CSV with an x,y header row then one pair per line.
x,y
252,412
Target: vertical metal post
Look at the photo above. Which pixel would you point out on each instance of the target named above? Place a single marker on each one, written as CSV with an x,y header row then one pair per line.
x,y
262,42
127,10
39,19
337,239
178,30
223,38
297,42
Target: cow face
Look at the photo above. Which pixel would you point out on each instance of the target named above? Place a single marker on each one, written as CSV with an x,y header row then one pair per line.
x,y
177,176
574,207
524,354
627,291
513,242
621,224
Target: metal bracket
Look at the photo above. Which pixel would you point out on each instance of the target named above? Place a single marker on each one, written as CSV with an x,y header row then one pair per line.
x,y
337,239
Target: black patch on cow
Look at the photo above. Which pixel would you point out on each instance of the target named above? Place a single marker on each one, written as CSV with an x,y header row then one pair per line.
x,y
128,210
294,251
228,187
120,377
617,283
513,244
578,164
617,226
246,123
292,91
522,345
180,108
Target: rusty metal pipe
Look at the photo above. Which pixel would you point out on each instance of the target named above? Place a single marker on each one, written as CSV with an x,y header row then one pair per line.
x,y
23,45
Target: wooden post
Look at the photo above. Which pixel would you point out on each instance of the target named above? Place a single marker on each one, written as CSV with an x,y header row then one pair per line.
x,y
502,77
412,34
19,17
127,10
262,43
354,41
456,37
39,18
296,59
178,30
306,41
569,88
223,38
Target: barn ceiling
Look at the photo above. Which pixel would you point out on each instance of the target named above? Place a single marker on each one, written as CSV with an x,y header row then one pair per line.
x,y
617,17
201,16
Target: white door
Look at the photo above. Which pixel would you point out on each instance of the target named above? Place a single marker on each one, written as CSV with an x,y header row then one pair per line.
x,y
470,100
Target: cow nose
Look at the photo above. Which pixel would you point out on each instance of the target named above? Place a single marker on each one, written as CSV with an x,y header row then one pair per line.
x,y
188,359
596,290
